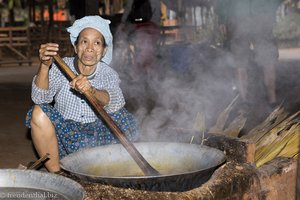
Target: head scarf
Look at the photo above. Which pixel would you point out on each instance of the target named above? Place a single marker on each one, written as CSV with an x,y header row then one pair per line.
x,y
98,23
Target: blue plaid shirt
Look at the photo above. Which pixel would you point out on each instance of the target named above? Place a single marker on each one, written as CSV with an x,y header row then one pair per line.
x,y
71,104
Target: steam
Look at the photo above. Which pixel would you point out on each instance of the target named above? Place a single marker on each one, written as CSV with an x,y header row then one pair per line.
x,y
188,78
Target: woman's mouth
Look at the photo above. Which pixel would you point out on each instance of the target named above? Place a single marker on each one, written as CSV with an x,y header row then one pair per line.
x,y
88,57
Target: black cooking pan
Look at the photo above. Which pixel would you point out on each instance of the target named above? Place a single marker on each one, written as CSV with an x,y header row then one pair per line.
x,y
182,166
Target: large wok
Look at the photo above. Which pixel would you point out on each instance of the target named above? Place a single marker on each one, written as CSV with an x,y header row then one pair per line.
x,y
182,166
31,184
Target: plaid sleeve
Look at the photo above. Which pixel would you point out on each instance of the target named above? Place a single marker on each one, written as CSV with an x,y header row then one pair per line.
x,y
111,81
39,95
116,100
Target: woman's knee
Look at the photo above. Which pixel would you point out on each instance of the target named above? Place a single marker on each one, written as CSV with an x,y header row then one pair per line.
x,y
39,118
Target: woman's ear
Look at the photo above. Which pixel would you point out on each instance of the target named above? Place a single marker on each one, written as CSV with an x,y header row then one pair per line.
x,y
104,52
75,48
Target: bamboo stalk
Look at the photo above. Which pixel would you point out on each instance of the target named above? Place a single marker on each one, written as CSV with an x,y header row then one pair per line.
x,y
222,118
285,144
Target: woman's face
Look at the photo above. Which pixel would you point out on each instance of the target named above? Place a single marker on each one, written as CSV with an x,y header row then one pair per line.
x,y
90,47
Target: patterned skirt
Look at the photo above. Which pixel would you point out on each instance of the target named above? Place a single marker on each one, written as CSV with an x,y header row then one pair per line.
x,y
73,136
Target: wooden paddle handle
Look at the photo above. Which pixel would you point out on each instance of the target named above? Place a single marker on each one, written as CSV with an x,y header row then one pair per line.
x,y
147,169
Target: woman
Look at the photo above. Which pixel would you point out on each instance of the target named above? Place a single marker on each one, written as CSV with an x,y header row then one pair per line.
x,y
142,24
71,124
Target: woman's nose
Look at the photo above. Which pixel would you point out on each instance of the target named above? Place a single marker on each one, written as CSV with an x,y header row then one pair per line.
x,y
90,47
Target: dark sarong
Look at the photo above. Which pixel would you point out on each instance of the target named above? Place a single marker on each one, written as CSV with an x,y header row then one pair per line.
x,y
73,136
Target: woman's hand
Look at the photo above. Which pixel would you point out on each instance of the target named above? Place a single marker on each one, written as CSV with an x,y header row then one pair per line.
x,y
81,84
46,53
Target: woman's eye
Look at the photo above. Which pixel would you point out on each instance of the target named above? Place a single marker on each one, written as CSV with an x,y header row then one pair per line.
x,y
98,43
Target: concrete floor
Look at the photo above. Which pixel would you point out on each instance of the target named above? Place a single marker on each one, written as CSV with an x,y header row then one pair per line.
x,y
15,85
16,146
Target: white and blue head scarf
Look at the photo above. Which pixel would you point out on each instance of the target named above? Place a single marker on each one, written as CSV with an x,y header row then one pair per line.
x,y
98,23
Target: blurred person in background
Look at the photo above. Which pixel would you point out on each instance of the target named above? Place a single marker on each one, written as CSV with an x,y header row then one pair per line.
x,y
140,22
139,35
248,27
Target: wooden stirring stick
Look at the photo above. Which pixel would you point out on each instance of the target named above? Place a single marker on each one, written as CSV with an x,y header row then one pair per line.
x,y
147,169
